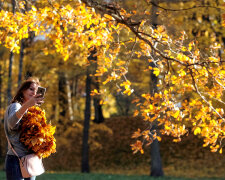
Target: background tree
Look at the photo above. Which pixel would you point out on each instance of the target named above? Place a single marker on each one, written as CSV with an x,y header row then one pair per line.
x,y
156,164
85,146
11,57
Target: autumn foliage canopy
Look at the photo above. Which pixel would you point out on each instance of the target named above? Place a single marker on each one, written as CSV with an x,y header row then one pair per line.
x,y
189,93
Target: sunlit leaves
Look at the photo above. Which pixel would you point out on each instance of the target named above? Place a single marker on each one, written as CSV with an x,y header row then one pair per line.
x,y
126,85
58,24
197,131
188,92
190,83
156,71
137,147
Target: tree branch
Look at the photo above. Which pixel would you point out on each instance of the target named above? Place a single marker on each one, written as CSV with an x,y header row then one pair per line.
x,y
203,97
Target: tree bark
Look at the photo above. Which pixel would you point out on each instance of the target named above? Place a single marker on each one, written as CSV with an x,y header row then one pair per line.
x,y
62,97
22,47
11,57
13,6
87,114
75,85
1,107
69,98
98,108
1,104
1,3
99,118
156,164
9,95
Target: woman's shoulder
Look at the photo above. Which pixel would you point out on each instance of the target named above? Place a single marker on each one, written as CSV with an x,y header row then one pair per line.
x,y
15,105
12,108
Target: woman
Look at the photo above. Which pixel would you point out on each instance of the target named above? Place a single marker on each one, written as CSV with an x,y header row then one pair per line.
x,y
25,97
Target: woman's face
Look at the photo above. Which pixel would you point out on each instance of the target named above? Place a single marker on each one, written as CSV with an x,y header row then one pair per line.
x,y
30,92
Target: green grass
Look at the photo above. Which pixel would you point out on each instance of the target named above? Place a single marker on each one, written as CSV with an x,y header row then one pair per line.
x,y
92,176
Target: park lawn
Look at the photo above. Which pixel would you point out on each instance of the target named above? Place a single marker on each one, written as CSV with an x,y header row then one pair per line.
x,y
93,176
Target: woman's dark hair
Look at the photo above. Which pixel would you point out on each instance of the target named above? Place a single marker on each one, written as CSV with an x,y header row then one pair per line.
x,y
24,86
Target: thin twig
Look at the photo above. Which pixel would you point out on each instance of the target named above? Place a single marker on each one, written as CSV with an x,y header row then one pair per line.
x,y
214,98
203,97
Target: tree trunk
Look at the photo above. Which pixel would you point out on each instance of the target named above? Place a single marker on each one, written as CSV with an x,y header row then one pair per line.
x,y
85,146
22,47
69,98
1,104
98,111
13,6
24,44
98,107
156,164
87,114
1,108
11,57
1,3
62,97
75,85
9,95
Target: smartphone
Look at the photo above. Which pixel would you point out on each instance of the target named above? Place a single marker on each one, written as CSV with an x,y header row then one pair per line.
x,y
41,90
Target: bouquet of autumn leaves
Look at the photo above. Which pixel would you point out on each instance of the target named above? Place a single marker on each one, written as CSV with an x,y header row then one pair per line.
x,y
36,134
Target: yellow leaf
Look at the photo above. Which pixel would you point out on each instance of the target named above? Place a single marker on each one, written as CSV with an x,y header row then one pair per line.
x,y
197,131
222,71
182,73
136,134
183,48
136,112
176,114
147,12
102,102
156,71
214,59
177,140
161,29
165,92
151,107
34,8
159,138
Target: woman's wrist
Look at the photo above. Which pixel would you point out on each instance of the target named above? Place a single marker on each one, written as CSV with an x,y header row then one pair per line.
x,y
19,113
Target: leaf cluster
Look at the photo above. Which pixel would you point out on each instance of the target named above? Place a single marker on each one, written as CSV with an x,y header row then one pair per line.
x,y
37,134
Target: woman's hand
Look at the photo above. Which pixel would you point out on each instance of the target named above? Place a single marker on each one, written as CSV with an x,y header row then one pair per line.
x,y
35,100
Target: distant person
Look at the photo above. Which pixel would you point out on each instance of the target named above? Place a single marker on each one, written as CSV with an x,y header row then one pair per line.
x,y
25,98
